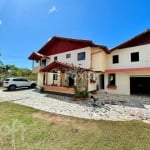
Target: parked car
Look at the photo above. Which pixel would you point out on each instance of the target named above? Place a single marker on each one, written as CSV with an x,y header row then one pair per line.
x,y
18,82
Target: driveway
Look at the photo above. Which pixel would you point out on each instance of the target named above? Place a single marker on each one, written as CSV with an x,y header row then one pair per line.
x,y
108,106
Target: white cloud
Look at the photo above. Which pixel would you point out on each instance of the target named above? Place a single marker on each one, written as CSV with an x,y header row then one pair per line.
x,y
49,38
52,9
0,22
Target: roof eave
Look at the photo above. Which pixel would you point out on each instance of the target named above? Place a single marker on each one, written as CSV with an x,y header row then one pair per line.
x,y
122,45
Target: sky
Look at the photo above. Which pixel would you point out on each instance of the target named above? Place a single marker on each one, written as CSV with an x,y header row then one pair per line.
x,y
26,25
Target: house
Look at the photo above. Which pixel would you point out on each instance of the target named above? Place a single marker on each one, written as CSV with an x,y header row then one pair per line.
x,y
124,69
128,66
61,59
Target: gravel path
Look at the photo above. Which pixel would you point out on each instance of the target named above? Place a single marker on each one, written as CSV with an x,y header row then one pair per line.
x,y
114,107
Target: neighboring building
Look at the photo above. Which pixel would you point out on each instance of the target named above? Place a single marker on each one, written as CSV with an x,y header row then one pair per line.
x,y
128,67
60,54
124,69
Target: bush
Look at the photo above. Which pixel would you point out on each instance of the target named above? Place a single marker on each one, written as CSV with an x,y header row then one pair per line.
x,y
81,94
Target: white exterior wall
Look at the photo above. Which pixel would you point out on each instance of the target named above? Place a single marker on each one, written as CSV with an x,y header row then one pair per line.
x,y
73,59
125,57
95,59
122,84
50,78
123,78
92,86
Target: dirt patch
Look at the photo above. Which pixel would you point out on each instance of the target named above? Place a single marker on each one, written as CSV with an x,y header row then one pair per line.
x,y
76,124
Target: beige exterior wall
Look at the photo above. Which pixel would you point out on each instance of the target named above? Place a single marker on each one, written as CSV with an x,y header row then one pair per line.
x,y
125,60
98,59
40,79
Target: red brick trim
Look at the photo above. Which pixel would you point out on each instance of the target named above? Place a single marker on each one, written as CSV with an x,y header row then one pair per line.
x,y
127,70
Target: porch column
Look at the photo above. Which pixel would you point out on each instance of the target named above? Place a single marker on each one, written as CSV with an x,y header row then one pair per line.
x,y
59,78
75,81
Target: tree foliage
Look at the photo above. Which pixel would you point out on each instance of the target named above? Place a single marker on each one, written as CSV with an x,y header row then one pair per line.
x,y
13,71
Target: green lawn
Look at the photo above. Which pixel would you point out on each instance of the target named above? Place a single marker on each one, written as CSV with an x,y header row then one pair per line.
x,y
24,128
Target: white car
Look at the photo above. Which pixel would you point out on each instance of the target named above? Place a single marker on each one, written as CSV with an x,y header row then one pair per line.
x,y
18,82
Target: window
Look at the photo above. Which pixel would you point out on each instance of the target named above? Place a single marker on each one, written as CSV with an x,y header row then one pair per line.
x,y
43,62
68,55
115,59
55,58
81,56
134,56
17,79
24,80
112,79
91,76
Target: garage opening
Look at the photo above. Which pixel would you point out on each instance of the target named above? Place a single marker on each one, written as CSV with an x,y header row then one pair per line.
x,y
140,85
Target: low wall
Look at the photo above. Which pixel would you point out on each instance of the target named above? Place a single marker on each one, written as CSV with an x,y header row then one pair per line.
x,y
59,89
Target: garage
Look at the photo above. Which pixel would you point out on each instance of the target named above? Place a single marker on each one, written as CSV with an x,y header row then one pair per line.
x,y
140,85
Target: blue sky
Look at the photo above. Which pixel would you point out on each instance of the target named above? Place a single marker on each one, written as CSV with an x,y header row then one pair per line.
x,y
26,25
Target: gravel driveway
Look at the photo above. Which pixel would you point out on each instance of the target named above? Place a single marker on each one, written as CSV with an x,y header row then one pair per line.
x,y
109,106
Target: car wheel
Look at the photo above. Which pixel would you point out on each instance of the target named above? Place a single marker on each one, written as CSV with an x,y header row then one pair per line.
x,y
33,85
12,87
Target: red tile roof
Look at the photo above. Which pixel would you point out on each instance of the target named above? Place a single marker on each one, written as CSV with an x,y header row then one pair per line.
x,y
56,65
61,66
36,56
60,44
140,39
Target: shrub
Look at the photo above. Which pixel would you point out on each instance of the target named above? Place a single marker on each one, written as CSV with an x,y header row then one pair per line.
x,y
81,94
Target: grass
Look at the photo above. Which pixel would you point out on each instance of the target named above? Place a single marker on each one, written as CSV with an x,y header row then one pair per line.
x,y
24,128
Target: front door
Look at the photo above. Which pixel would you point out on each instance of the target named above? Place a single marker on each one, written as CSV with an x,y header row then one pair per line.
x,y
101,81
71,81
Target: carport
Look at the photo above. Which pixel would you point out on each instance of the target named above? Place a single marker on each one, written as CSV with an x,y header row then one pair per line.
x,y
140,85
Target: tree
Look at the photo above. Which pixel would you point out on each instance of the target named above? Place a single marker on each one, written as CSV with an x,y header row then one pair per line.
x,y
12,70
80,76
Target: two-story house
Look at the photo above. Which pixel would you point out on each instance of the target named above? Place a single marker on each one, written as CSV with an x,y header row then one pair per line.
x,y
125,69
128,66
60,55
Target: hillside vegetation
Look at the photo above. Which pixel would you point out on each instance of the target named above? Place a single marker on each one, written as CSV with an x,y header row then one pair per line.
x,y
13,71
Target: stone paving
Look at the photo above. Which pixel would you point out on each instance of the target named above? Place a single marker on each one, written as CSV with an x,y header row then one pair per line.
x,y
108,106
